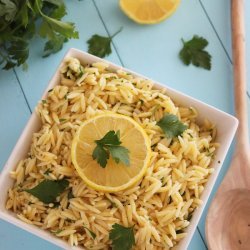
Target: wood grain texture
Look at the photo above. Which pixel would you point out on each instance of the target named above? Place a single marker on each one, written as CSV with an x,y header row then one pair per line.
x,y
228,219
34,81
14,114
239,63
151,50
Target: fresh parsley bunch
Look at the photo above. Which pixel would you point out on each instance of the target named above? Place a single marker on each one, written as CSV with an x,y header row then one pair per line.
x,y
20,20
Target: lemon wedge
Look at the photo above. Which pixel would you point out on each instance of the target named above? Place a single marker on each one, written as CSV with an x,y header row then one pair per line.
x,y
149,11
115,176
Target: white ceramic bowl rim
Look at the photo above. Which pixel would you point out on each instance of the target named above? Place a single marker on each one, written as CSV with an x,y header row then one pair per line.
x,y
226,125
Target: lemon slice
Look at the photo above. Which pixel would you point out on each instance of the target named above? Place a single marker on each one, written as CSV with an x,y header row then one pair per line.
x,y
114,177
149,11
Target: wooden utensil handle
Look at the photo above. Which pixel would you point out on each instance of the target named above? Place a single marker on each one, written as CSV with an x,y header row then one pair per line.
x,y
239,60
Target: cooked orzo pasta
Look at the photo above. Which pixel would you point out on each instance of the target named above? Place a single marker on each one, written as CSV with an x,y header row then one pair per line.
x,y
159,206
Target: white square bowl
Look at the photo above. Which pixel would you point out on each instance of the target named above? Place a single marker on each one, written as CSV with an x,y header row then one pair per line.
x,y
226,128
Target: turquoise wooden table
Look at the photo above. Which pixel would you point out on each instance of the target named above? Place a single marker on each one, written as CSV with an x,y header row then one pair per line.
x,y
150,50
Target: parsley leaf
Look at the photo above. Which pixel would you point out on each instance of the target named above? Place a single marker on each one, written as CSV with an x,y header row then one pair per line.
x,y
101,155
122,237
193,52
110,145
100,45
18,52
119,153
47,190
8,9
54,45
112,138
171,126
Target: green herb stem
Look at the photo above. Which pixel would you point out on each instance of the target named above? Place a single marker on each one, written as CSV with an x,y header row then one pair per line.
x,y
117,32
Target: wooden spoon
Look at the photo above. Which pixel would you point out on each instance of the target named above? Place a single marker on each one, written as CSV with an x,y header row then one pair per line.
x,y
228,219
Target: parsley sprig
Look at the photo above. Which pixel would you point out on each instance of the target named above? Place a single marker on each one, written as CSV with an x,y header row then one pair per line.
x,y
22,20
110,145
122,237
101,45
171,126
194,52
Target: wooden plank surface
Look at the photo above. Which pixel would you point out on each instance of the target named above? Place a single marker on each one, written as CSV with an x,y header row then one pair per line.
x,y
14,113
150,50
153,51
